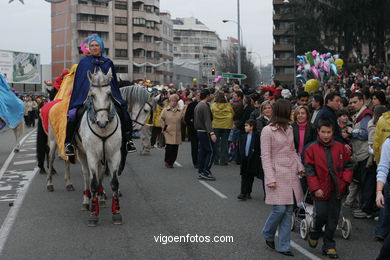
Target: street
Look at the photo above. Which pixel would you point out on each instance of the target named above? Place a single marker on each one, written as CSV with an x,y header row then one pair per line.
x,y
156,202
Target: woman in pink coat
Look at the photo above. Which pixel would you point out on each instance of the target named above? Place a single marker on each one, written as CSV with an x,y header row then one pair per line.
x,y
282,167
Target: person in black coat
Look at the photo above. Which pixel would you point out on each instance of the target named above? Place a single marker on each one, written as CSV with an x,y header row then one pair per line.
x,y
250,159
332,105
189,120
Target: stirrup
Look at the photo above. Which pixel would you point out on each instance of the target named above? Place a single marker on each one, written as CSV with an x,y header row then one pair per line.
x,y
69,149
130,147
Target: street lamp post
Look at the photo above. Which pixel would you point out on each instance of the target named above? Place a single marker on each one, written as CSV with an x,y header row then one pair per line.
x,y
239,32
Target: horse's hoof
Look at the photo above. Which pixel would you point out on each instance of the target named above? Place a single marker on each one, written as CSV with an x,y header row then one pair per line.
x,y
117,219
50,188
93,220
70,187
16,150
102,204
84,207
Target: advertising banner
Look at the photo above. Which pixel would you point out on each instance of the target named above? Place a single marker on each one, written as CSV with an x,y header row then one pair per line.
x,y
20,67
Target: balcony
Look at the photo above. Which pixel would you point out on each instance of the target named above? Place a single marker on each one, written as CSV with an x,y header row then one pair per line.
x,y
278,2
283,62
284,47
90,26
146,45
283,31
88,9
283,17
284,77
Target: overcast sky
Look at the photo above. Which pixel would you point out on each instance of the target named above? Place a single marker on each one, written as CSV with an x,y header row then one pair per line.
x,y
27,27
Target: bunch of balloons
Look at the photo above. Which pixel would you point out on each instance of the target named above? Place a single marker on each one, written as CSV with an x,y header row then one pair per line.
x,y
314,68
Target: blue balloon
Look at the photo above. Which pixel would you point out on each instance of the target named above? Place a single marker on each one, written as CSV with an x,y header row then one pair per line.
x,y
301,78
333,69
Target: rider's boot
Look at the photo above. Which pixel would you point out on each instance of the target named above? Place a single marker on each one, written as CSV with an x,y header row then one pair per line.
x,y
130,146
70,132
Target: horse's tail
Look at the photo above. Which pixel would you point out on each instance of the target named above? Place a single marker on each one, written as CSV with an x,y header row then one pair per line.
x,y
42,145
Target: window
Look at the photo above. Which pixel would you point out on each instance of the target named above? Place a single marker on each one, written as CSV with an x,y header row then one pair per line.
x,y
137,53
121,69
83,2
148,8
137,37
149,54
98,3
120,20
149,69
136,69
148,38
150,24
136,6
121,5
121,53
139,21
121,36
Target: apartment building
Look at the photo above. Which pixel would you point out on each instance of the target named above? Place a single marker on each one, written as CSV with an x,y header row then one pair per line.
x,y
130,30
283,46
195,47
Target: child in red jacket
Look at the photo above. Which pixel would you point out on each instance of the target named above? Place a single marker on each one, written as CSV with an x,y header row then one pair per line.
x,y
329,171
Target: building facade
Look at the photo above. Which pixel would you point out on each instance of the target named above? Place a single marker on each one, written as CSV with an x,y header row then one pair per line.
x,y
195,47
283,45
130,30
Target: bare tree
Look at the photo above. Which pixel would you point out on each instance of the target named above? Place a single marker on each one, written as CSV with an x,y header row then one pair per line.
x,y
227,62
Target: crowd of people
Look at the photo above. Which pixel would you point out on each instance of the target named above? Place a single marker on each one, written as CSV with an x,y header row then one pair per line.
x,y
327,143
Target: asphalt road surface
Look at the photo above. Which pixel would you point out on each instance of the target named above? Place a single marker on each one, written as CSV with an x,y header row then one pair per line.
x,y
157,204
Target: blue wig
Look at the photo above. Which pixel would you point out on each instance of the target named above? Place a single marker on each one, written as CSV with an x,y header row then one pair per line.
x,y
95,37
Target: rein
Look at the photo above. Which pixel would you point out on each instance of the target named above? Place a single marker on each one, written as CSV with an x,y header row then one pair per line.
x,y
103,138
139,113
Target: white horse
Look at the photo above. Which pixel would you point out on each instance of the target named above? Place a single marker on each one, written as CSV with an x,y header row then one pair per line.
x,y
98,141
141,103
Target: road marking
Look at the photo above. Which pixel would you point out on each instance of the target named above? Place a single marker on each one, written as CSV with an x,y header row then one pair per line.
x,y
11,156
208,186
26,155
12,214
302,250
178,164
25,162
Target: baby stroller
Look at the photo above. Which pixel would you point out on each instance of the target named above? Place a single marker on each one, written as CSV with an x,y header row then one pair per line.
x,y
303,217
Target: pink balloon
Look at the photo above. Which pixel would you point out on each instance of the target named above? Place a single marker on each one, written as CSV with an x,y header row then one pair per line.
x,y
314,53
326,67
314,70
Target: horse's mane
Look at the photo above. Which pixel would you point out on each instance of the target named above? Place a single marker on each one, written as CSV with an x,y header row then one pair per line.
x,y
136,95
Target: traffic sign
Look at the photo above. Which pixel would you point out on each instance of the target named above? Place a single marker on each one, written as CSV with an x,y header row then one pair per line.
x,y
233,76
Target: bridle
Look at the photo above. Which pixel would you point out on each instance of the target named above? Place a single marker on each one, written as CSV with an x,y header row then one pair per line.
x,y
139,113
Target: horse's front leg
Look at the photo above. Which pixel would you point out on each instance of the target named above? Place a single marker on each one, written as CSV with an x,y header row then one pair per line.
x,y
87,180
68,181
49,180
94,213
114,166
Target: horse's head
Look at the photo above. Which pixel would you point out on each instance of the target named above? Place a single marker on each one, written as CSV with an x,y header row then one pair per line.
x,y
141,104
100,93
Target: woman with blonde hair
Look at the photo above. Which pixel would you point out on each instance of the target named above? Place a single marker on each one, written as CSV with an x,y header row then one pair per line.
x,y
170,121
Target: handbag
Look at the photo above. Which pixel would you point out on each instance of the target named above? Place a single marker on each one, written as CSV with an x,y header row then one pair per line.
x,y
161,140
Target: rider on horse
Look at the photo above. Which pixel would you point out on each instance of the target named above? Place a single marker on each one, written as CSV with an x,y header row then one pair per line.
x,y
94,62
